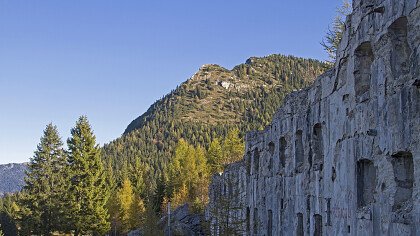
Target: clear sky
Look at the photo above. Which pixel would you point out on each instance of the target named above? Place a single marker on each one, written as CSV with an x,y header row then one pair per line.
x,y
110,60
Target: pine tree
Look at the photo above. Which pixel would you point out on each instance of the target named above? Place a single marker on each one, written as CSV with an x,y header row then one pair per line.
x,y
88,193
41,198
112,204
136,176
9,213
333,37
160,194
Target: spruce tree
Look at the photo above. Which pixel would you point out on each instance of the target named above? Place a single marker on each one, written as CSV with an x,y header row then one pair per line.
x,y
88,192
136,177
43,190
160,193
112,204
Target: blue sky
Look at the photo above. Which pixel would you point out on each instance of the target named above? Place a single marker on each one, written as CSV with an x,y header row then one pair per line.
x,y
110,60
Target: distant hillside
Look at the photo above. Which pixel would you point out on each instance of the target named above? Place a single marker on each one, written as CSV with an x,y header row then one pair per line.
x,y
208,104
11,177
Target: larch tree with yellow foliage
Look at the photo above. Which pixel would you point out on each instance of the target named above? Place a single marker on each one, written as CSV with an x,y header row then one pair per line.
x,y
188,173
130,207
233,147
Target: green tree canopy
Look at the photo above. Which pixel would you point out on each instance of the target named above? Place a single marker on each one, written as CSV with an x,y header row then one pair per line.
x,y
42,194
88,192
215,156
332,39
233,147
125,197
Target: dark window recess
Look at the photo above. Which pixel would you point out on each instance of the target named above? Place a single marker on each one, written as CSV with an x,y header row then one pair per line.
x,y
299,228
248,220
282,151
271,148
362,71
255,228
366,182
318,225
248,163
318,147
402,163
299,149
270,223
328,211
400,50
256,160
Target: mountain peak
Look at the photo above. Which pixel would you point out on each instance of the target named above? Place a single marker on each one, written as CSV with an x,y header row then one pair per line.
x,y
216,95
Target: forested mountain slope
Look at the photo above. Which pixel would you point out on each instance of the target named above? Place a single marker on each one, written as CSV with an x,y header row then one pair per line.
x,y
11,177
207,105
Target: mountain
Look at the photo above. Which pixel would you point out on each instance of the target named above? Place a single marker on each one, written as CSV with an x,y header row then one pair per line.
x,y
11,177
210,103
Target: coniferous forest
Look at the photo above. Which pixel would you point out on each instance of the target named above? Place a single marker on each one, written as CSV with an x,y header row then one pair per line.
x,y
168,154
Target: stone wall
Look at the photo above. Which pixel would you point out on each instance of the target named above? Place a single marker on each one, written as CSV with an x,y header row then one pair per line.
x,y
341,157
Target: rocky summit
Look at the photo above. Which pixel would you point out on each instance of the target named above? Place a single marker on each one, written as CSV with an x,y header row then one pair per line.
x,y
341,157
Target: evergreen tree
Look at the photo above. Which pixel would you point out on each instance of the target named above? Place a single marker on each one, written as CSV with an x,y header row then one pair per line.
x,y
9,213
112,204
153,137
88,193
160,194
136,176
334,35
42,194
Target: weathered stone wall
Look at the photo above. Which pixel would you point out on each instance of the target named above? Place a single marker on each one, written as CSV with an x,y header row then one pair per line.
x,y
343,156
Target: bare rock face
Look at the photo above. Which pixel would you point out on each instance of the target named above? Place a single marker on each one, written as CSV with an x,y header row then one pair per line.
x,y
343,156
183,222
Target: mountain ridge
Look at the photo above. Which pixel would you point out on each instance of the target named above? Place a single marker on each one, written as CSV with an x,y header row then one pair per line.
x,y
12,177
209,104
251,65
